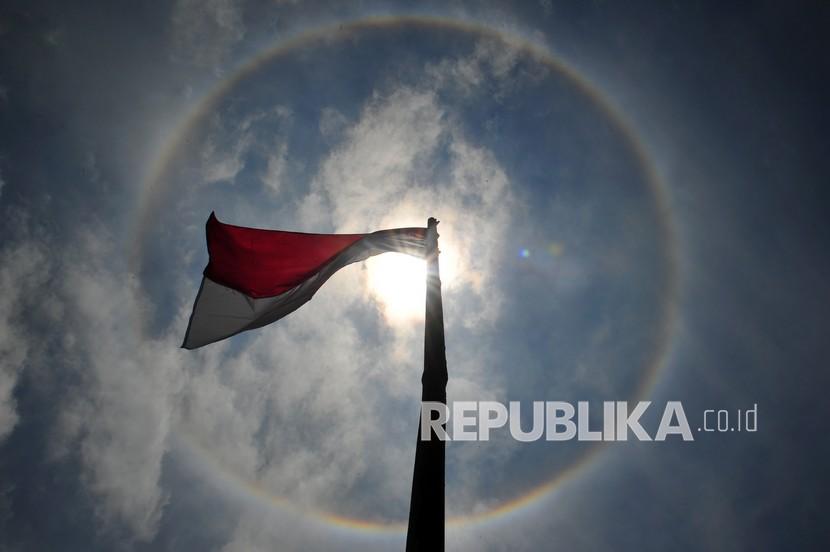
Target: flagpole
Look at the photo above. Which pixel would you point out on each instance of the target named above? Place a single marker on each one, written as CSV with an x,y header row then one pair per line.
x,y
426,508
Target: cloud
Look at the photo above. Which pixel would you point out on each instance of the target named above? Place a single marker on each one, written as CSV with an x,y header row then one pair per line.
x,y
232,142
385,146
287,414
120,416
272,179
24,268
223,163
489,65
69,313
332,122
204,32
259,530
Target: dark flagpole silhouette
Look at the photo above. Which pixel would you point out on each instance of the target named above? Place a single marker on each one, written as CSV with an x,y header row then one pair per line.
x,y
426,508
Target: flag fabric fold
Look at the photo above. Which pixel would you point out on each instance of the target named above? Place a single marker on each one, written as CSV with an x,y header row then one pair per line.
x,y
255,277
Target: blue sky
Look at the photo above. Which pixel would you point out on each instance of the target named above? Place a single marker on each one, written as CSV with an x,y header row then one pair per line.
x,y
632,209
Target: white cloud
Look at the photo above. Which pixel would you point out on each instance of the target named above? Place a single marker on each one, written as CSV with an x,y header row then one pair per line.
x,y
224,162
275,168
24,268
263,530
332,122
377,162
467,73
230,142
120,416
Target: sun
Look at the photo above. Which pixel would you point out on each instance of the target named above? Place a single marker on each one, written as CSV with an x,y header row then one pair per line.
x,y
398,282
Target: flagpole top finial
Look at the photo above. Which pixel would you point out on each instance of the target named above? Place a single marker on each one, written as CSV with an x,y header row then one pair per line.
x,y
432,236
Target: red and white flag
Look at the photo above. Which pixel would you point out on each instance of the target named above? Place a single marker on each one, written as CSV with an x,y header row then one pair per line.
x,y
255,277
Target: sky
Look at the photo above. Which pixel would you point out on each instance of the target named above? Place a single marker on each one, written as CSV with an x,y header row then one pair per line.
x,y
633,204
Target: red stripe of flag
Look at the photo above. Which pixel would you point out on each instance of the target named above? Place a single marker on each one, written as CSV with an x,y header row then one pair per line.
x,y
264,263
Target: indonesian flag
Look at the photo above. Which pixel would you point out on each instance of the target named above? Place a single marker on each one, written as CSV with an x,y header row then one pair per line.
x,y
255,277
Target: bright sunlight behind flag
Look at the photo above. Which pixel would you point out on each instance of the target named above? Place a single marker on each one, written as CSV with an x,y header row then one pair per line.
x,y
255,277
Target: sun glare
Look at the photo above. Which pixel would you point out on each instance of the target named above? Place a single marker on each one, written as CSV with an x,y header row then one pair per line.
x,y
398,281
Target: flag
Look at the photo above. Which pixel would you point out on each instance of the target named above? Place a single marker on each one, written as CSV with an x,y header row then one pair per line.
x,y
255,277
